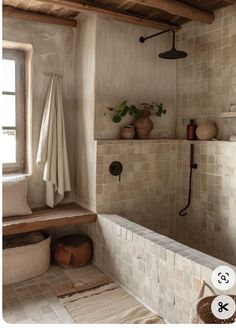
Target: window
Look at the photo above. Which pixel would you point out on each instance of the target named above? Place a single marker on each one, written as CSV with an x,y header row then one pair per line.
x,y
13,111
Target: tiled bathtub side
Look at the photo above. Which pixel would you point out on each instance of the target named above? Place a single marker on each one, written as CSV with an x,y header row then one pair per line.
x,y
162,273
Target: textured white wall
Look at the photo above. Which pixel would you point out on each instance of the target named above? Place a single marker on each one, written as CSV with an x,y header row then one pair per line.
x,y
101,62
125,68
53,51
85,146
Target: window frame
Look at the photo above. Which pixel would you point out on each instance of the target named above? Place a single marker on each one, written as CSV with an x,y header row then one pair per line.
x,y
19,57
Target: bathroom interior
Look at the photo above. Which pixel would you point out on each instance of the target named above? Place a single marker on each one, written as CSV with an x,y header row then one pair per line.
x,y
119,160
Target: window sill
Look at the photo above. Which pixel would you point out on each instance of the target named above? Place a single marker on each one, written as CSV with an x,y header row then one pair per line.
x,y
15,175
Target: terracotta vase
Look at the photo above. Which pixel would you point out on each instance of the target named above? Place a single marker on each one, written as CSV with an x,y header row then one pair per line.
x,y
127,132
207,130
73,251
143,125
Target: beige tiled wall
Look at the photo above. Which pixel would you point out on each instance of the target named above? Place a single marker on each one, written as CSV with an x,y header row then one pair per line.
x,y
154,187
211,219
143,194
206,79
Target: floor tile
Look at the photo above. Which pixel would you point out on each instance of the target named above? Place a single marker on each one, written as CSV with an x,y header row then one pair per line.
x,y
34,301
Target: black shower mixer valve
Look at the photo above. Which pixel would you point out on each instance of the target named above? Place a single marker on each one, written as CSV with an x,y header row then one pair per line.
x,y
116,169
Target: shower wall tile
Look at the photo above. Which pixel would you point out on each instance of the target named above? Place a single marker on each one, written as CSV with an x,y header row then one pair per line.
x,y
211,218
143,192
206,79
154,187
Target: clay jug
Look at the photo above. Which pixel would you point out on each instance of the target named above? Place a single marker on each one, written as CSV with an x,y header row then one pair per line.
x,y
207,130
143,125
127,132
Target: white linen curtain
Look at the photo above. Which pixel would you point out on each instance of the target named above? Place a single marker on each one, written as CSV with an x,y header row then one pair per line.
x,y
52,151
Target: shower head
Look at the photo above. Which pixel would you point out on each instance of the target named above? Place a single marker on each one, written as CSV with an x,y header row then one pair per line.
x,y
173,53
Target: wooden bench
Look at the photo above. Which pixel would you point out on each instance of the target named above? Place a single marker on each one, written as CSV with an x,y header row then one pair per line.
x,y
44,218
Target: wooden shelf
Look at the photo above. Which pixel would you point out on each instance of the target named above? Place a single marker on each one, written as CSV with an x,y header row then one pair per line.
x,y
44,218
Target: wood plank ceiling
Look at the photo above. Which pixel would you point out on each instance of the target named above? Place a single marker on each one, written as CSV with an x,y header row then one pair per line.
x,y
160,14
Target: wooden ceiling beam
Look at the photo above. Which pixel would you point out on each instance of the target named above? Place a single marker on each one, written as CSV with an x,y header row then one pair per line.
x,y
126,4
177,8
12,12
112,13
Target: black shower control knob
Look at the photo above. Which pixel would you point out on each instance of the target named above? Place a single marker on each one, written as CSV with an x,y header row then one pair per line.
x,y
194,166
116,168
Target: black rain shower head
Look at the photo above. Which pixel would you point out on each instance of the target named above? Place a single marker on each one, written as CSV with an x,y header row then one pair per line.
x,y
173,53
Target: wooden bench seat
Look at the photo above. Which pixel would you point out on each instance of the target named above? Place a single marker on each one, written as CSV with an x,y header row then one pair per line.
x,y
44,218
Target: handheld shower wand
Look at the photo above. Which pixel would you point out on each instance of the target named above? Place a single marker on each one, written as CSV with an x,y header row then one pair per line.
x,y
192,166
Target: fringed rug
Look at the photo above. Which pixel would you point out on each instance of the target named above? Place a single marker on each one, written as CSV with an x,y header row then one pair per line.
x,y
101,300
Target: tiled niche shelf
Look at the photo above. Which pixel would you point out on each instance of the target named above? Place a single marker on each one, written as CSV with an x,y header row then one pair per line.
x,y
118,141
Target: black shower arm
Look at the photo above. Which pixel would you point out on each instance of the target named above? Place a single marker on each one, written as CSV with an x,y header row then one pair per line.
x,y
142,39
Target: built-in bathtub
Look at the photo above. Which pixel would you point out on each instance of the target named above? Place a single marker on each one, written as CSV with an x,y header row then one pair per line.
x,y
163,274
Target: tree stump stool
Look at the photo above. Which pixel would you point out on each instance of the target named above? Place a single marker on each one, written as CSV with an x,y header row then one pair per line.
x,y
73,251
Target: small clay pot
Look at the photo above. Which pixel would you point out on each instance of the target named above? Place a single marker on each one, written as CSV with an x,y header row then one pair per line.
x,y
127,132
73,251
143,125
207,130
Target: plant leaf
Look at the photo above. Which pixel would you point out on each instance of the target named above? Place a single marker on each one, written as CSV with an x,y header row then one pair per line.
x,y
122,104
133,110
124,111
116,119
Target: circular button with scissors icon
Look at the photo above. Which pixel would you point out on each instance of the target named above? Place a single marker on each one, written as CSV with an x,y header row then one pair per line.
x,y
223,307
223,277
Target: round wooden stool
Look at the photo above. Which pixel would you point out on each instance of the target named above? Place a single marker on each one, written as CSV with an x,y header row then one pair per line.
x,y
73,251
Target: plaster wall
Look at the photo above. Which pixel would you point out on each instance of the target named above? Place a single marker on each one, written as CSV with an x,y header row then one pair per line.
x,y
125,68
84,144
53,51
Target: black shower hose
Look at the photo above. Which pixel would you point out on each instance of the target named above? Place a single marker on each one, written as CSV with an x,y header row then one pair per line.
x,y
183,211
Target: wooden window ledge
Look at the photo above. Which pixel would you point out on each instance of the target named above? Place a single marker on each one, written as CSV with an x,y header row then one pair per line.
x,y
44,218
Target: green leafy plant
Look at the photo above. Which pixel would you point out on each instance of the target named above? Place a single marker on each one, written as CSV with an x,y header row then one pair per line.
x,y
123,109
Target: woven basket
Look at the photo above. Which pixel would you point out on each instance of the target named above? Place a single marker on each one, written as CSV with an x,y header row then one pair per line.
x,y
201,312
25,262
205,313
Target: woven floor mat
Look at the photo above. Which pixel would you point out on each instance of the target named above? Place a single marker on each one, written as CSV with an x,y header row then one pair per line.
x,y
94,298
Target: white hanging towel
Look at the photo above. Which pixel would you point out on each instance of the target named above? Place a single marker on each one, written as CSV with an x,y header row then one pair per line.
x,y
52,151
